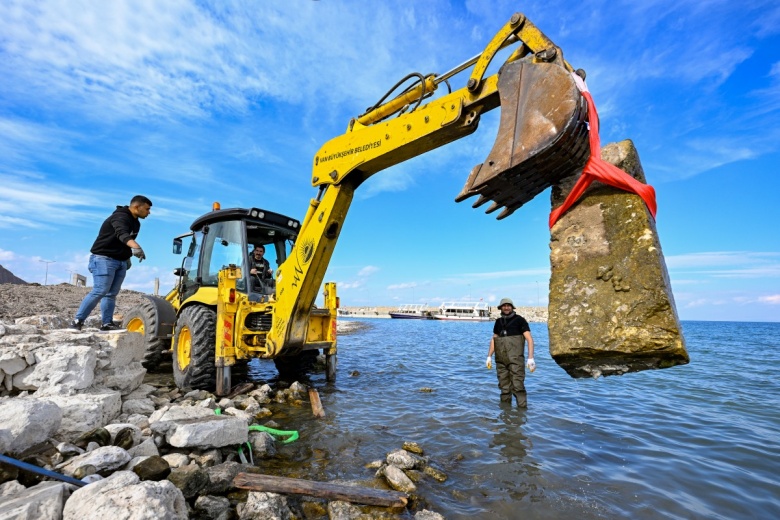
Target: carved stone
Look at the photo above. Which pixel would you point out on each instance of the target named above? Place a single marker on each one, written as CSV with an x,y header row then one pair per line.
x,y
611,306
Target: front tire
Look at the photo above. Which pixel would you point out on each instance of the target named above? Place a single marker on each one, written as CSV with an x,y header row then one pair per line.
x,y
143,318
194,346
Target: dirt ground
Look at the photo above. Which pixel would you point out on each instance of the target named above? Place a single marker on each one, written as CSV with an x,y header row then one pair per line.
x,y
19,301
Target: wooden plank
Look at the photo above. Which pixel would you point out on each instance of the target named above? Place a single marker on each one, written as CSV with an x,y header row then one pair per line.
x,y
354,494
316,404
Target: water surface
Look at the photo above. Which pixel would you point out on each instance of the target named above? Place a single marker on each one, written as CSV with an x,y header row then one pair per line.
x,y
696,441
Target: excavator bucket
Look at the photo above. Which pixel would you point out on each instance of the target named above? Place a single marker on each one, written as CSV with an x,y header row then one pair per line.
x,y
542,137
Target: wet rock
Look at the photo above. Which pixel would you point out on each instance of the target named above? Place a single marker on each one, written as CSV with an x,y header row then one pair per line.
x,y
611,305
404,459
398,480
375,464
217,508
44,500
152,468
265,506
221,477
340,510
191,479
27,422
315,509
427,515
263,445
413,447
298,390
123,495
437,474
426,390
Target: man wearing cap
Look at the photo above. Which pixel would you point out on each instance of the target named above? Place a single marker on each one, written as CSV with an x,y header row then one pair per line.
x,y
509,334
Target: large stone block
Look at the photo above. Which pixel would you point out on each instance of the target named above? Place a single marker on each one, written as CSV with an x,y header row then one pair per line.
x,y
29,422
84,412
611,305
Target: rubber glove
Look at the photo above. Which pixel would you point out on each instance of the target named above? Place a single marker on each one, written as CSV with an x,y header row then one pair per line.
x,y
489,363
139,253
531,364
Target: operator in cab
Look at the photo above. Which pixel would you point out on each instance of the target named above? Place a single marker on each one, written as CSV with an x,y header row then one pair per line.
x,y
259,268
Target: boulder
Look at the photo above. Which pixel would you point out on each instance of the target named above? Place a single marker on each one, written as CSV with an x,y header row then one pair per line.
x,y
28,422
71,366
124,495
44,500
397,479
104,459
86,411
265,506
611,307
195,427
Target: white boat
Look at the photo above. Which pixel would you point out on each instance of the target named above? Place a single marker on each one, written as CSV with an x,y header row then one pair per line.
x,y
463,311
411,311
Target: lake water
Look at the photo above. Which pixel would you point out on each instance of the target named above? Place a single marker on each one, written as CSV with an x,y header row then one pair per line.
x,y
695,441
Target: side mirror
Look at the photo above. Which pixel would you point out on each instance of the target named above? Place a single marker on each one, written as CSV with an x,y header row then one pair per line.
x,y
179,271
177,246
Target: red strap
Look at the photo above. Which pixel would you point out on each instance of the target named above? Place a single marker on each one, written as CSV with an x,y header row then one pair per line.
x,y
598,169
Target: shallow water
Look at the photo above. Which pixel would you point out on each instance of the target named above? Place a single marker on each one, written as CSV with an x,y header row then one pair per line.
x,y
696,441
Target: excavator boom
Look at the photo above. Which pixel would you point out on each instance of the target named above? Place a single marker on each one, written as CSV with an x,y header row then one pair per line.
x,y
542,138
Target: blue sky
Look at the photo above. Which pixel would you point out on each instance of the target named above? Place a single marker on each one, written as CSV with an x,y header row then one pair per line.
x,y
188,102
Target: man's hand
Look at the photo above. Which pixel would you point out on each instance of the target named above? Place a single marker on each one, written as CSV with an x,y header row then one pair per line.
x,y
489,363
139,254
531,364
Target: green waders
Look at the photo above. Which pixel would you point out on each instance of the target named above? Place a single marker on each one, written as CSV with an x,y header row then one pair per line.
x,y
510,368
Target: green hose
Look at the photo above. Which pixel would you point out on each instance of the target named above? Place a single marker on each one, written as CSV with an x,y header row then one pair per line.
x,y
291,434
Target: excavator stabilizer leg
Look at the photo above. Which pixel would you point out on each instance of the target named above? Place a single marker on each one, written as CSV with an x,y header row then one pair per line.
x,y
542,137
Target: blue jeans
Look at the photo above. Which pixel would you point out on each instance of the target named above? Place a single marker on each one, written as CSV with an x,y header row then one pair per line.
x,y
107,277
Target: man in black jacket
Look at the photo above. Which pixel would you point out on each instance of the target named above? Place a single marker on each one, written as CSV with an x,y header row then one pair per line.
x,y
108,263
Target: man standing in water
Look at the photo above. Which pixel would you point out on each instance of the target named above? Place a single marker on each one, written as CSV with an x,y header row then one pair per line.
x,y
110,257
509,334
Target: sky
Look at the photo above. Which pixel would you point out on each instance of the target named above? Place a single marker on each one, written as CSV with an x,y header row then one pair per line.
x,y
191,102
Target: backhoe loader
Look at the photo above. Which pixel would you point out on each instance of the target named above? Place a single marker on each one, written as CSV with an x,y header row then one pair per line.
x,y
218,317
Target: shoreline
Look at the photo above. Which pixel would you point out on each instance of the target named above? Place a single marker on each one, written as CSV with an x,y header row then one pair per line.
x,y
531,314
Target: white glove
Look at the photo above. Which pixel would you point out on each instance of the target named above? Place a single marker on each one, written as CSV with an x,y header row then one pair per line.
x,y
139,253
489,363
531,364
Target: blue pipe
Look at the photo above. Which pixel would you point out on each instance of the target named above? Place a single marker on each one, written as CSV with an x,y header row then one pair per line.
x,y
40,471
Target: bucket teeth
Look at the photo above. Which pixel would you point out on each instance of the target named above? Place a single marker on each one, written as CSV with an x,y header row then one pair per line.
x,y
542,137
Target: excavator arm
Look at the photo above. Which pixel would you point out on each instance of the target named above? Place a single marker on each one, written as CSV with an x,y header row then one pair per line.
x,y
542,138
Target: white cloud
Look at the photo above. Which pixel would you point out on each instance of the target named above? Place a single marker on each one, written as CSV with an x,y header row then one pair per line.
x,y
405,285
773,299
6,255
368,270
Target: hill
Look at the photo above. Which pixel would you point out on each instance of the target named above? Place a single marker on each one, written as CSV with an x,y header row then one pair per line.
x,y
7,276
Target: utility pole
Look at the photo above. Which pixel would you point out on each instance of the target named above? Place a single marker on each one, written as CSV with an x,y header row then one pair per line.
x,y
47,262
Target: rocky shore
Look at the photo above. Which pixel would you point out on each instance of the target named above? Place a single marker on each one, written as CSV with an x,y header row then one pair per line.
x,y
80,406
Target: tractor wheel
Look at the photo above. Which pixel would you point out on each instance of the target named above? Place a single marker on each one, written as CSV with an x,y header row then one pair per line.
x,y
143,319
194,345
293,366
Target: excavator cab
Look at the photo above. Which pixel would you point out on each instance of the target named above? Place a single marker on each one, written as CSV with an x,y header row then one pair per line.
x,y
228,237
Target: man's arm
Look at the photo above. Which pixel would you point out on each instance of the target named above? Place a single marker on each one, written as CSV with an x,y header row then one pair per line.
x,y
530,340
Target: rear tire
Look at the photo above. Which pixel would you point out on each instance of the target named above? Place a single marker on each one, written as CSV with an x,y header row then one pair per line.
x,y
143,319
194,345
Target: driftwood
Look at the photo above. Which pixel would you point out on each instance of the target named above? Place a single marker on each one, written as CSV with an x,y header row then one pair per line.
x,y
316,404
355,494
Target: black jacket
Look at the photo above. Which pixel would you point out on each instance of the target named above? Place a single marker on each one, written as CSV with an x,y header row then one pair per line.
x,y
116,230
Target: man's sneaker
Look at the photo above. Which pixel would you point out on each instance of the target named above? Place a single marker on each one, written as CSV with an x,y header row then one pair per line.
x,y
76,325
110,327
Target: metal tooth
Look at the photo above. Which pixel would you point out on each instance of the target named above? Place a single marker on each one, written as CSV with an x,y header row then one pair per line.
x,y
480,201
504,214
493,207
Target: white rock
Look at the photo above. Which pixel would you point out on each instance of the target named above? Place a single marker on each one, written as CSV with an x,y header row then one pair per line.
x,y
235,412
114,428
215,431
146,448
43,321
86,411
403,459
398,479
122,378
177,460
12,362
268,506
123,348
123,495
29,421
11,488
142,392
70,366
143,407
105,459
44,500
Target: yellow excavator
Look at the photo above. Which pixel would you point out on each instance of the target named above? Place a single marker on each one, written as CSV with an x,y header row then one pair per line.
x,y
219,316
